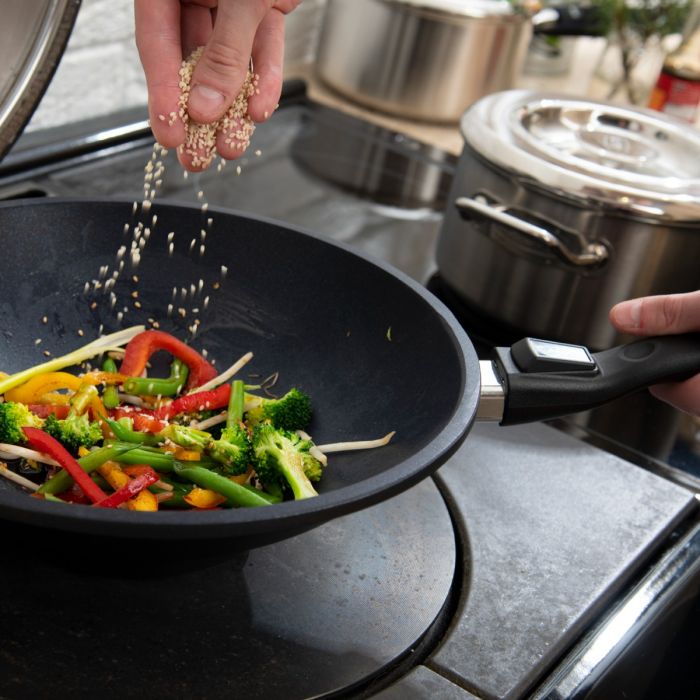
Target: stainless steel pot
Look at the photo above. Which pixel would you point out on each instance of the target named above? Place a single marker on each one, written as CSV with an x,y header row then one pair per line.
x,y
561,207
422,59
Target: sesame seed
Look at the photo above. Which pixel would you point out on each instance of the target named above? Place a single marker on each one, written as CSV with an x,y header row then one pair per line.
x,y
44,319
37,341
47,353
81,332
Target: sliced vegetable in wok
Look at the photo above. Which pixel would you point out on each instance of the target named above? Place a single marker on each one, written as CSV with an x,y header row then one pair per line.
x,y
118,438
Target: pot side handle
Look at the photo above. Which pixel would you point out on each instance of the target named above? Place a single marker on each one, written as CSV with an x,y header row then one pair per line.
x,y
542,379
593,253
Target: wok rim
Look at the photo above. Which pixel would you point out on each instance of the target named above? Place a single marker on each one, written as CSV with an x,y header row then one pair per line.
x,y
291,517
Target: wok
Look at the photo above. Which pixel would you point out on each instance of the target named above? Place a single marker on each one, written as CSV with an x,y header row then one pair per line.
x,y
375,350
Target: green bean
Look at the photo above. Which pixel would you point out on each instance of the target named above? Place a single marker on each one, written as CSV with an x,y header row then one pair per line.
x,y
62,481
159,460
110,395
168,386
236,494
124,433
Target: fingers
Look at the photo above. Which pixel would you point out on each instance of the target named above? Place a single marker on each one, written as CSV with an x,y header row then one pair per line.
x,y
221,70
268,57
658,315
158,43
685,395
196,25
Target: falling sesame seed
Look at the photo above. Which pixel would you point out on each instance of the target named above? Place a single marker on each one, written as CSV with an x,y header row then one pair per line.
x,y
154,219
224,271
170,310
185,174
210,221
120,316
146,205
47,353
238,170
192,289
206,302
202,248
44,319
200,194
81,332
171,248
200,285
182,312
126,228
171,235
202,234
161,117
135,294
93,306
216,285
156,324
134,207
37,341
135,279
192,244
137,304
205,207
258,152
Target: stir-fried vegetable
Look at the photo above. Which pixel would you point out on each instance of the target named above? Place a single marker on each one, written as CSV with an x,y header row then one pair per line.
x,y
195,440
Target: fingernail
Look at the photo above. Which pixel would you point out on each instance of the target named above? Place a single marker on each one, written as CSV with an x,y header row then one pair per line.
x,y
629,313
206,100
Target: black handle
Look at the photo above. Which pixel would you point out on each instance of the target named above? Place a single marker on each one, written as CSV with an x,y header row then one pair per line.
x,y
532,394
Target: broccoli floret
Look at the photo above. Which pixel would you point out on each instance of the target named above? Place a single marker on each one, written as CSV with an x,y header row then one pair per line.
x,y
74,431
189,438
291,412
13,417
282,458
233,450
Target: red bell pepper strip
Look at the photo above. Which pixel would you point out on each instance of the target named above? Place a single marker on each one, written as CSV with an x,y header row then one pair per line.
x,y
140,348
143,419
45,410
201,401
43,442
128,491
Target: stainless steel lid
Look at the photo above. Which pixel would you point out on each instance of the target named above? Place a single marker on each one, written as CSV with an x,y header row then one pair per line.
x,y
472,9
33,34
633,159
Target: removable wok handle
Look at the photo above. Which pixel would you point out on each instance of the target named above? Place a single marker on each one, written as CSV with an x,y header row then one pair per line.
x,y
539,379
592,254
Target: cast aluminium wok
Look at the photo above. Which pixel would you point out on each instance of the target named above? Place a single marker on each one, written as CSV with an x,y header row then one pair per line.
x,y
375,350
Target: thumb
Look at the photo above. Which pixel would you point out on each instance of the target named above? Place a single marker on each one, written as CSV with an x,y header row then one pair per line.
x,y
658,315
222,68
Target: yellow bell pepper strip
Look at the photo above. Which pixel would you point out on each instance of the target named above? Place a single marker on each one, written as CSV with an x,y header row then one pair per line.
x,y
204,498
43,442
113,474
42,388
126,492
144,501
62,481
39,389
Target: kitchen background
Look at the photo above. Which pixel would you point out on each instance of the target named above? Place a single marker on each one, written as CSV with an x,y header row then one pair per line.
x,y
100,70
536,563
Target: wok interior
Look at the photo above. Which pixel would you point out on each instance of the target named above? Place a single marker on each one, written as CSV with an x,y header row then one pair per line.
x,y
372,353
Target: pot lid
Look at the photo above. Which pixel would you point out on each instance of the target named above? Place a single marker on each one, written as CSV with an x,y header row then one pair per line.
x,y
33,35
629,158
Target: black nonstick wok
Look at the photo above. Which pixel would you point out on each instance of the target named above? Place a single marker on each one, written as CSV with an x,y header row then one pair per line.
x,y
374,349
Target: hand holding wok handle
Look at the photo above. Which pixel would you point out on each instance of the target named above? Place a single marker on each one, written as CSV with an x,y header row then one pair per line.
x,y
665,314
540,379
